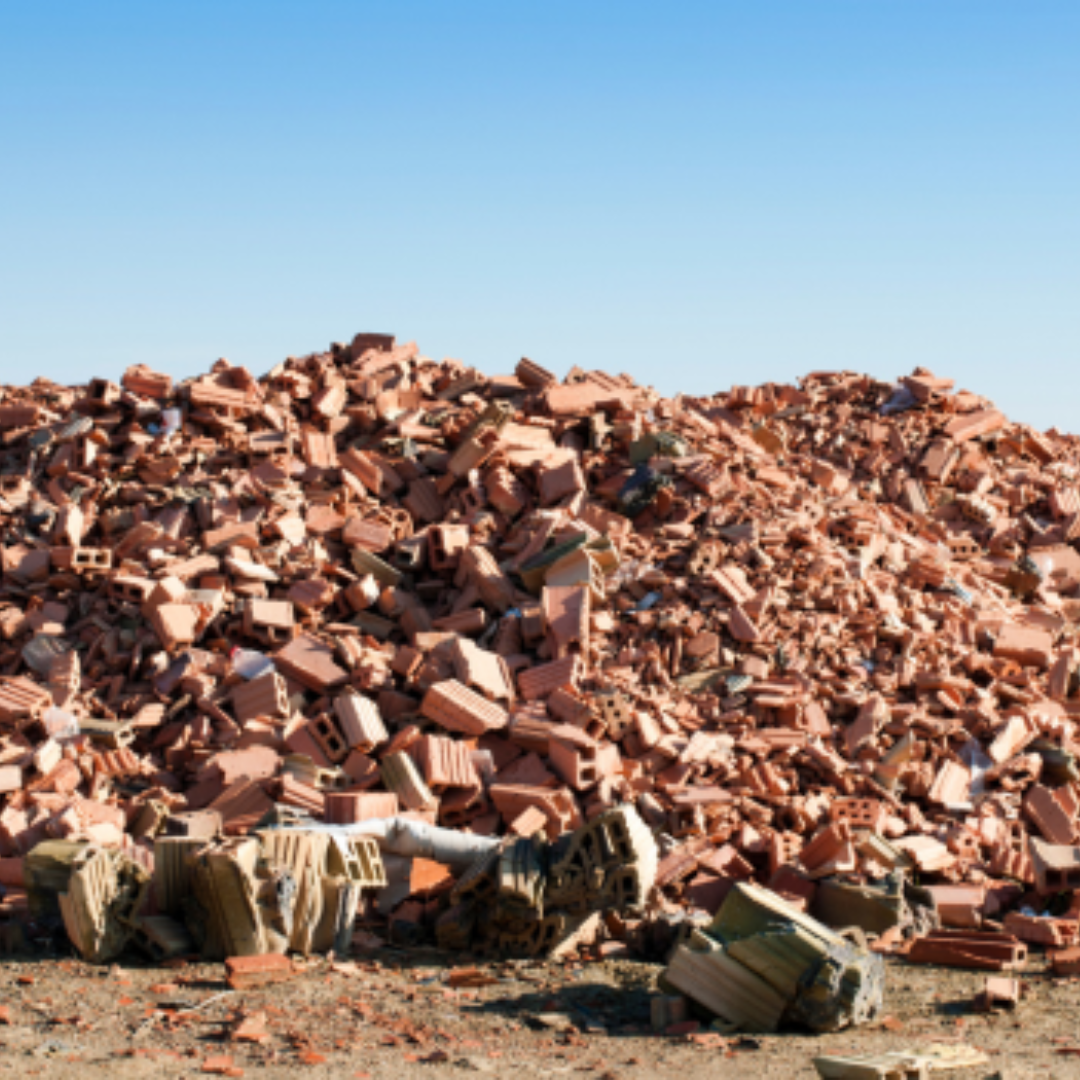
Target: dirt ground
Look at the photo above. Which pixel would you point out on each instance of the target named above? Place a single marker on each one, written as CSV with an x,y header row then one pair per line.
x,y
392,1014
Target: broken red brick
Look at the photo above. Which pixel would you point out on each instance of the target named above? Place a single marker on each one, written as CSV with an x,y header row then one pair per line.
x,y
246,972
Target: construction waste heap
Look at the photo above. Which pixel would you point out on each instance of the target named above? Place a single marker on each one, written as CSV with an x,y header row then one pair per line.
x,y
764,685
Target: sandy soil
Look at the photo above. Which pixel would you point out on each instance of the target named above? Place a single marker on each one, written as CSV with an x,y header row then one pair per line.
x,y
392,1014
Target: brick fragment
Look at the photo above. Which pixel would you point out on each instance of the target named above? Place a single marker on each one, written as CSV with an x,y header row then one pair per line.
x,y
248,972
310,661
544,680
457,708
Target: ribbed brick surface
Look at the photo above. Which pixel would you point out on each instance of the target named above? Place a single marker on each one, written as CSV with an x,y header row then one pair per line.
x,y
445,763
318,449
545,679
492,584
361,724
1050,817
241,805
264,696
457,708
19,697
480,670
401,776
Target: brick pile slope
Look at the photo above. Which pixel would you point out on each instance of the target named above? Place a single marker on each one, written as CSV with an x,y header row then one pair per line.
x,y
814,630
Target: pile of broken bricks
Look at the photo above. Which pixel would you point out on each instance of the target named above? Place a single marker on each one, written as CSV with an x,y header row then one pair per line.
x,y
821,638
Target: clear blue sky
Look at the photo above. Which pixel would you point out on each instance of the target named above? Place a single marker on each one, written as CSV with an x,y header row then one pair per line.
x,y
700,194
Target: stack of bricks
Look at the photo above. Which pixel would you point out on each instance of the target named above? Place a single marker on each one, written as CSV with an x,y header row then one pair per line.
x,y
808,631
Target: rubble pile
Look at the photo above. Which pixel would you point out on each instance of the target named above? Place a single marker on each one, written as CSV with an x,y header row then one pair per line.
x,y
818,637
762,962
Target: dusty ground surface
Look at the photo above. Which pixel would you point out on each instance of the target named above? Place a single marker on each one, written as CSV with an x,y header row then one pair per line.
x,y
391,1014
